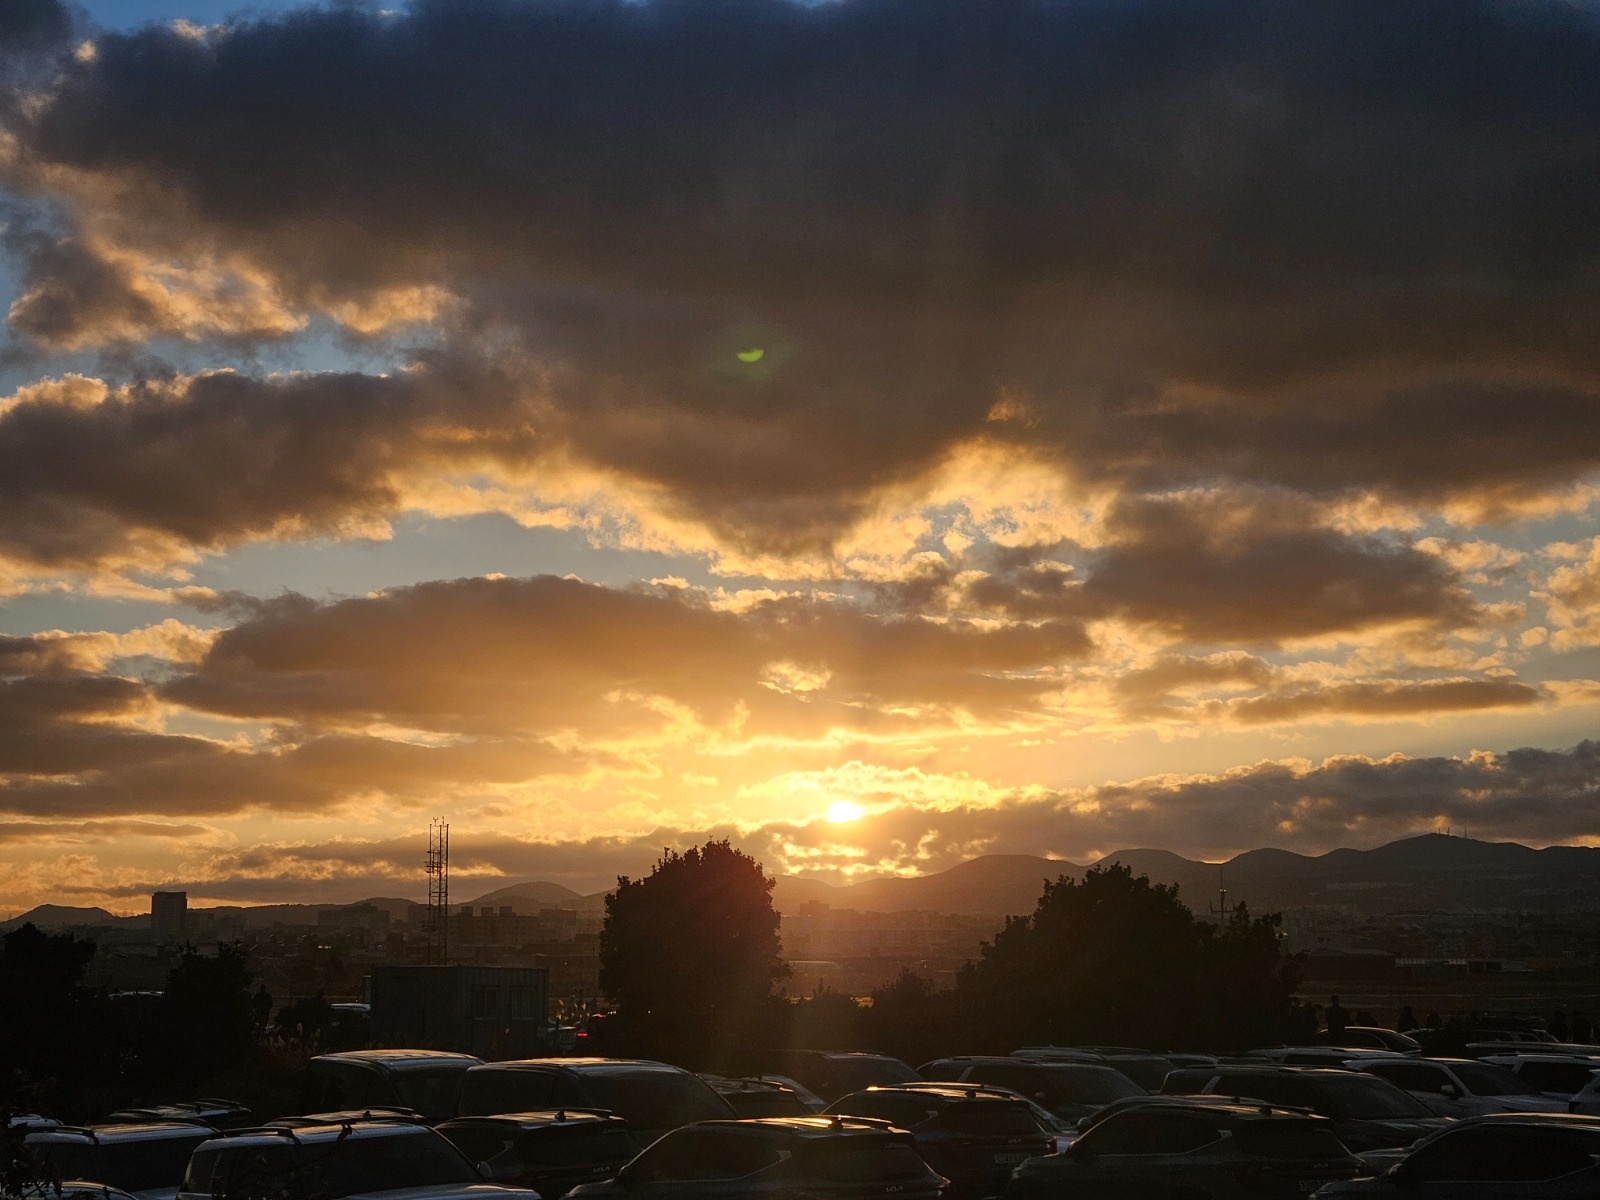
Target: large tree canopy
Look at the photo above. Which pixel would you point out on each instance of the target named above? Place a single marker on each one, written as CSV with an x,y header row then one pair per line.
x,y
1114,958
690,954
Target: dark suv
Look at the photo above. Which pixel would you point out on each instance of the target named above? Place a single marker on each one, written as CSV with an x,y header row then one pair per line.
x,y
426,1081
821,1158
146,1158
326,1162
652,1097
834,1073
550,1152
1365,1117
1215,1150
973,1136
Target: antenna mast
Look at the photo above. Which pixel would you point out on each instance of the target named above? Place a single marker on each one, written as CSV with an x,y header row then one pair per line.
x,y
1220,908
438,869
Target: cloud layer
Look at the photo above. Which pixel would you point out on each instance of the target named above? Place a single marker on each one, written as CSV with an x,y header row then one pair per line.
x,y
1003,383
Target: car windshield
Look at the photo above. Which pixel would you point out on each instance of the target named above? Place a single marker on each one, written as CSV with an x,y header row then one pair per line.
x,y
654,1099
1360,1097
856,1072
343,1167
859,1160
1087,1085
1290,1139
575,1147
1488,1079
129,1165
1558,1076
990,1118
431,1091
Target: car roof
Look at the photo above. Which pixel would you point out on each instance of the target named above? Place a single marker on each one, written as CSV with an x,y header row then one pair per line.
x,y
399,1059
540,1118
1546,1119
589,1065
949,1092
122,1131
1233,1106
1033,1064
376,1127
808,1127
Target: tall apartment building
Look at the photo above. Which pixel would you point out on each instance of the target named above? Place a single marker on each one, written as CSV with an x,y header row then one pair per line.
x,y
169,913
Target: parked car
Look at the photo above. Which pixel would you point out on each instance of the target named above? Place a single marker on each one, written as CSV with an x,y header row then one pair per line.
x,y
144,1158
1564,1076
834,1073
427,1081
1368,1113
1219,1150
328,1162
818,1158
1504,1156
1068,1089
755,1097
972,1135
550,1152
652,1097
1462,1087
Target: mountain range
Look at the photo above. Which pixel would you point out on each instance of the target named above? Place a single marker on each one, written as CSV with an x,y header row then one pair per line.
x,y
1431,872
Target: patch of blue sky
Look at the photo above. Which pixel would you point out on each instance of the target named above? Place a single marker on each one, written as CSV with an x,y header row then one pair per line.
x,y
130,14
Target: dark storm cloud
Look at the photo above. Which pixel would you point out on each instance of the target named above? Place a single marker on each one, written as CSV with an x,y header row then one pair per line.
x,y
221,458
63,771
67,291
1333,246
1218,566
1257,569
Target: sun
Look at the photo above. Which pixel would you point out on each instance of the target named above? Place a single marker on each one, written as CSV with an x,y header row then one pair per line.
x,y
841,811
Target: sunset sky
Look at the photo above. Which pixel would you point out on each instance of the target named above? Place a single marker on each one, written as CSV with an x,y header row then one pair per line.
x,y
879,431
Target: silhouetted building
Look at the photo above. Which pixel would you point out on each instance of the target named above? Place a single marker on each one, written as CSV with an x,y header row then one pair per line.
x,y
169,912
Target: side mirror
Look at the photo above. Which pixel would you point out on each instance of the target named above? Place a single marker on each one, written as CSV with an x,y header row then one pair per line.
x,y
1449,1089
485,1172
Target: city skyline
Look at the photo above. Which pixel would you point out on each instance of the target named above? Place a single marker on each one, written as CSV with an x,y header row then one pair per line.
x,y
881,432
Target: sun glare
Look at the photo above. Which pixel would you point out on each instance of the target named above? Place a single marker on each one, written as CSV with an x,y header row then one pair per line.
x,y
841,811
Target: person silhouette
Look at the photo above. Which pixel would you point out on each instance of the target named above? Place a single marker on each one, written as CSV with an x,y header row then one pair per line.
x,y
1337,1019
1407,1021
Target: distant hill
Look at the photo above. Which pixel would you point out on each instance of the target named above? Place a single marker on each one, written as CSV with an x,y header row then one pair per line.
x,y
59,916
1431,872
526,899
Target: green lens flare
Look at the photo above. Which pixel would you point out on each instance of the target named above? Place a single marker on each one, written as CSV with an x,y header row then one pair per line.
x,y
754,355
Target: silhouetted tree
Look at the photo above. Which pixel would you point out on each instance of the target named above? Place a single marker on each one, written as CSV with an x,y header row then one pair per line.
x,y
1114,958
207,1015
690,957
912,1020
827,1020
50,1037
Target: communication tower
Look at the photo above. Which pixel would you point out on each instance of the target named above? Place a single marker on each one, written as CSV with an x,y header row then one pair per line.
x,y
438,869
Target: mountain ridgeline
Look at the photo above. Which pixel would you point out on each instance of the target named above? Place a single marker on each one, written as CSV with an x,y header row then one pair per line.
x,y
1431,872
